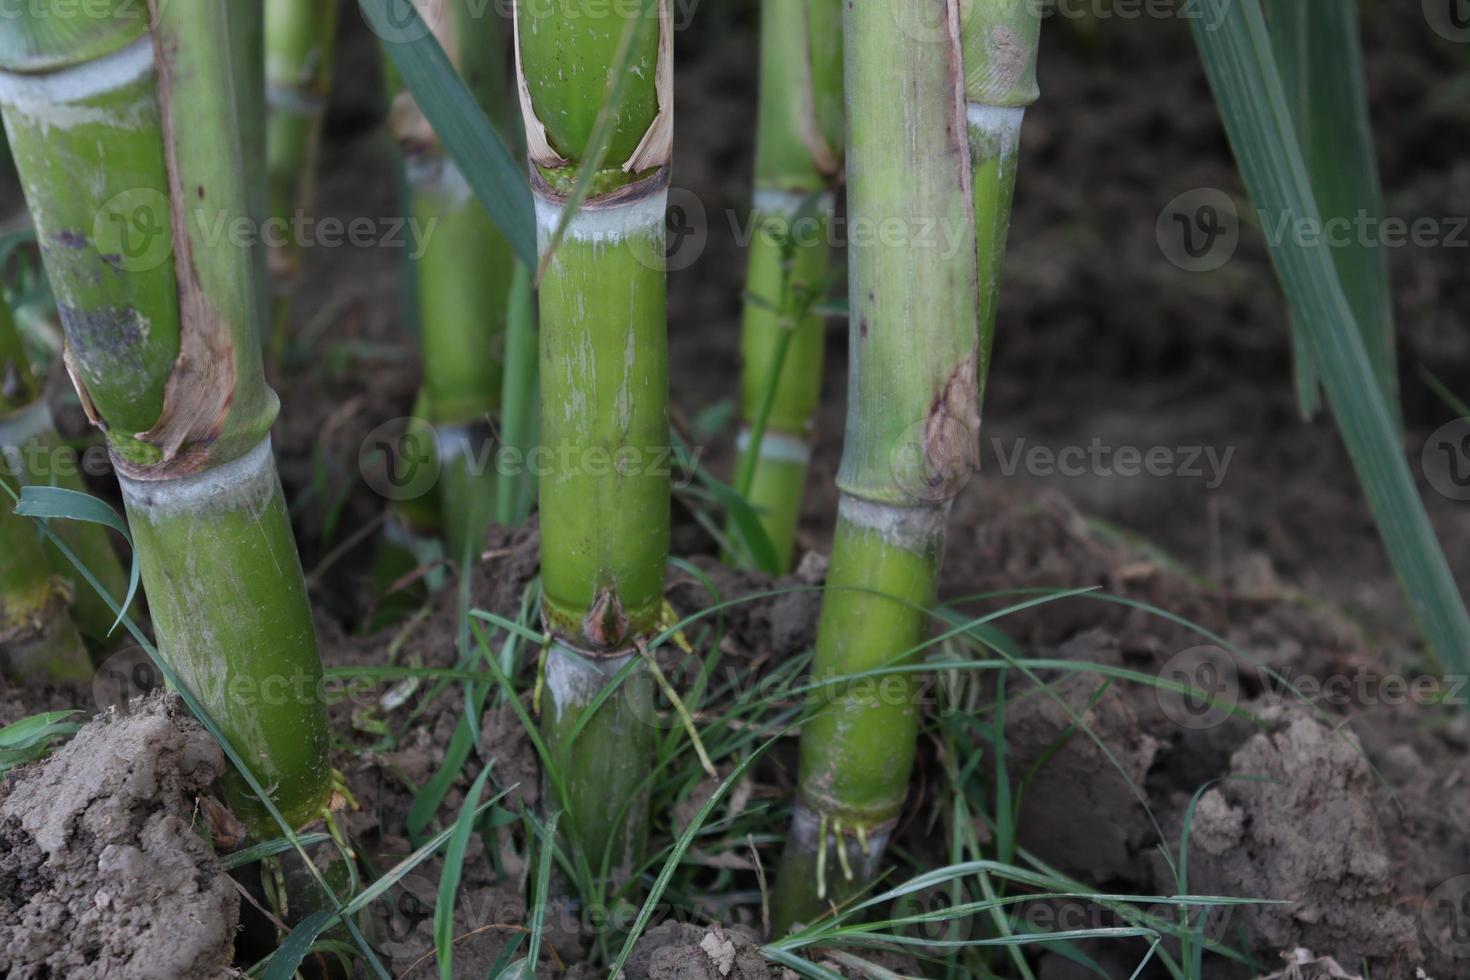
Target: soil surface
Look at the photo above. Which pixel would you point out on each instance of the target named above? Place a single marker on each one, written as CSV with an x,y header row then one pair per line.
x,y
1343,810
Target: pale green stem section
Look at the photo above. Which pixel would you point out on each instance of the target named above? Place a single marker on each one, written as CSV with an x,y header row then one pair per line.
x,y
36,455
220,566
603,464
912,433
300,38
129,162
37,638
799,148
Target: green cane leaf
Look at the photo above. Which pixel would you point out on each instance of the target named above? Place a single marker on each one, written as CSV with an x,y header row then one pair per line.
x,y
1240,63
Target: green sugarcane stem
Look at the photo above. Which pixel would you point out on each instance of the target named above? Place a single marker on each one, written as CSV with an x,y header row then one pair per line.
x,y
299,46
911,441
37,637
247,38
603,460
1000,46
463,278
515,491
163,345
36,455
798,160
604,768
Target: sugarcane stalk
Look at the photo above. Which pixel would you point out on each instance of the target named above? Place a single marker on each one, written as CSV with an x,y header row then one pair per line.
x,y
463,275
37,636
911,440
1001,39
604,481
799,147
35,455
247,41
299,46
129,153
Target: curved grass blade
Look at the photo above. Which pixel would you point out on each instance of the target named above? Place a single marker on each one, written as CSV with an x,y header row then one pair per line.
x,y
287,958
45,503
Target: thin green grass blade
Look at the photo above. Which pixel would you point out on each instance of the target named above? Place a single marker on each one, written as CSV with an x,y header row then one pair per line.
x,y
1320,59
498,181
45,503
459,840
1240,63
541,896
287,958
269,848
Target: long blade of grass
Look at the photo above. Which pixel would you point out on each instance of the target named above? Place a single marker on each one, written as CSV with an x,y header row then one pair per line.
x,y
1320,59
1241,66
459,840
541,896
288,956
482,156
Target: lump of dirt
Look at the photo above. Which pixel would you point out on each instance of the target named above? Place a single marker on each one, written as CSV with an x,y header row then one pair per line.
x,y
683,951
1298,823
101,872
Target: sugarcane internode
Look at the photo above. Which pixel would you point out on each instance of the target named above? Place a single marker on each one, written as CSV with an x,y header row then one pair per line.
x,y
799,156
463,276
913,421
165,356
604,390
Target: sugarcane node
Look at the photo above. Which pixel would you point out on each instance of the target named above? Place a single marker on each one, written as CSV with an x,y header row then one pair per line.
x,y
630,193
606,625
22,622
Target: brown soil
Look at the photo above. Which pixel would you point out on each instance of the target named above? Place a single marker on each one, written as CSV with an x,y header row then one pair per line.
x,y
103,872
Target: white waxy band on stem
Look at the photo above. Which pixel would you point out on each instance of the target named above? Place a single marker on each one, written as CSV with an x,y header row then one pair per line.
x,y
998,122
35,94
777,447
574,678
910,528
604,226
249,481
788,204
